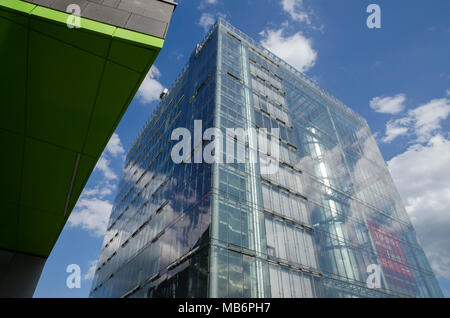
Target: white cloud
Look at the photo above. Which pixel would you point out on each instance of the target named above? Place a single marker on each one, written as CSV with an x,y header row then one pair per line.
x,y
113,149
423,121
428,117
447,92
102,190
92,215
422,176
91,271
295,49
388,105
151,88
206,20
103,165
394,130
114,146
205,3
93,208
296,10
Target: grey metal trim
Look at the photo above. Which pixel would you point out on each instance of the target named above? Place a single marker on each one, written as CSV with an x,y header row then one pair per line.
x,y
75,170
19,273
151,17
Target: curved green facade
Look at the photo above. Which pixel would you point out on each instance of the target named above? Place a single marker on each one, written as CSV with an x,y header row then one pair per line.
x,y
62,93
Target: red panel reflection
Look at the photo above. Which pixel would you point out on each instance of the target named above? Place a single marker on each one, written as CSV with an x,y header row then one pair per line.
x,y
393,260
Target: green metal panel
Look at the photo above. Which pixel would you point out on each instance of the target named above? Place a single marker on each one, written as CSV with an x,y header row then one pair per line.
x,y
62,88
47,172
62,93
11,161
13,53
109,107
85,168
9,225
37,231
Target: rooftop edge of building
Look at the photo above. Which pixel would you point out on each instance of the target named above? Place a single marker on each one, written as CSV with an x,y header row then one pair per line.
x,y
305,79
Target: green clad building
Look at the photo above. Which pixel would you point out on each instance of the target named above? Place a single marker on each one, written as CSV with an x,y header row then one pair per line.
x,y
66,80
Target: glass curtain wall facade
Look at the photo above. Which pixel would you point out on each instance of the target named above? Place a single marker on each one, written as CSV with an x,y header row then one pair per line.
x,y
313,228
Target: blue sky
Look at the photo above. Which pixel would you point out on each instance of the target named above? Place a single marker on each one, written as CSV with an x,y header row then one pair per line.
x,y
397,77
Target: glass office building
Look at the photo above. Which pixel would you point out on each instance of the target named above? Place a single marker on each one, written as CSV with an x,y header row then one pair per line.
x,y
327,222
